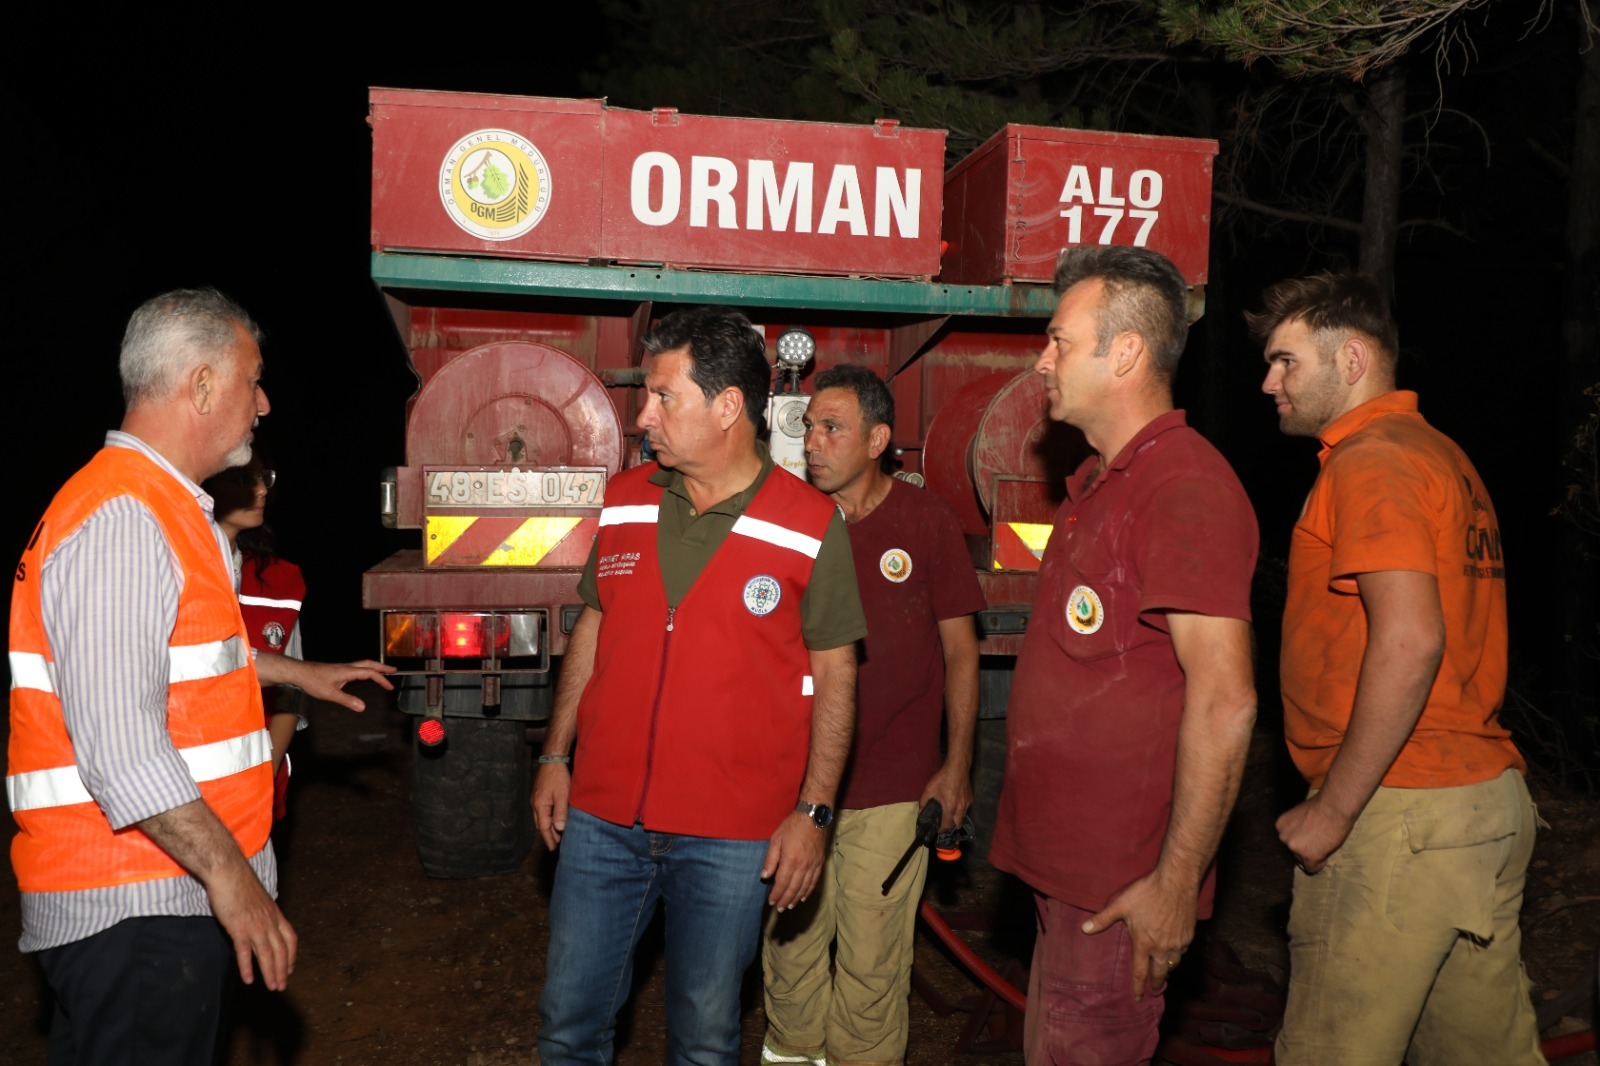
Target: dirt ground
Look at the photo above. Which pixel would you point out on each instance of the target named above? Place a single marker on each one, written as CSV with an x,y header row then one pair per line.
x,y
396,968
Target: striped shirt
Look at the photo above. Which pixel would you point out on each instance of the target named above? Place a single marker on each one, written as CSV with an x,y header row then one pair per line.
x,y
109,596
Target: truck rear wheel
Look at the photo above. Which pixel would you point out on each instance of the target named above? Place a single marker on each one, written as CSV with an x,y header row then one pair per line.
x,y
470,798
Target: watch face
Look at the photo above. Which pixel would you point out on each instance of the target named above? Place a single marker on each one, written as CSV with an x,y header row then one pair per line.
x,y
822,814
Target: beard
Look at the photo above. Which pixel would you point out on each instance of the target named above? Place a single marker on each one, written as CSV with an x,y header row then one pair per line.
x,y
239,456
1315,403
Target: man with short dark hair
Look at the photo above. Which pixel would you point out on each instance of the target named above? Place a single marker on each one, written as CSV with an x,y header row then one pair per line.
x,y
920,593
139,775
1413,846
705,705
1133,699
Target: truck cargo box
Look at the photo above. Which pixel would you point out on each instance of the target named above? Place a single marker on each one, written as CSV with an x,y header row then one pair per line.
x,y
576,181
1030,191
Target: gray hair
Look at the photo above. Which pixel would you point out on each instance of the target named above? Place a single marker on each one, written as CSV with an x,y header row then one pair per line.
x,y
168,333
1144,294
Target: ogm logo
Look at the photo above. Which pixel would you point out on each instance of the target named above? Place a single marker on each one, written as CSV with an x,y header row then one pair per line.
x,y
1085,613
494,184
895,564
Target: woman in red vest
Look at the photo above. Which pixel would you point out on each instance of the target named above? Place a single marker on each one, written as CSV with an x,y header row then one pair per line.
x,y
271,590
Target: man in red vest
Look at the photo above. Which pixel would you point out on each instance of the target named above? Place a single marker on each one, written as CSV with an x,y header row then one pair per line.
x,y
139,772
705,705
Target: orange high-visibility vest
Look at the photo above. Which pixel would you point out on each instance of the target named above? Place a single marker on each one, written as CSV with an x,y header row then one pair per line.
x,y
214,714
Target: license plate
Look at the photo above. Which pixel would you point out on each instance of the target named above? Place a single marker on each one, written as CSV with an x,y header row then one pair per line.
x,y
516,488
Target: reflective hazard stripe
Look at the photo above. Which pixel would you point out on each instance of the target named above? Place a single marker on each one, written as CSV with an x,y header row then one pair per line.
x,y
776,534
263,601
196,662
807,686
60,786
509,539
623,514
1019,545
31,670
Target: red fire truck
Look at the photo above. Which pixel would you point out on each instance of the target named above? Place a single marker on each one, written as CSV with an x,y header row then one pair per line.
x,y
524,246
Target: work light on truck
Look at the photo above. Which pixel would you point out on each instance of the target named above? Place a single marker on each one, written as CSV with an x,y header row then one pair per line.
x,y
795,348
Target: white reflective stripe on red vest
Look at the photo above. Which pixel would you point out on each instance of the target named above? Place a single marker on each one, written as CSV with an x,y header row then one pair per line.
x,y
60,786
32,670
629,513
807,686
196,662
779,535
263,601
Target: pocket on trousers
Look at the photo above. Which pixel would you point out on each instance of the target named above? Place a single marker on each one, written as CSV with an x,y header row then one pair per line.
x,y
1435,831
1444,877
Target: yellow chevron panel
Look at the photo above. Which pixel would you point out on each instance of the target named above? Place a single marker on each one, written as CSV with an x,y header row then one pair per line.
x,y
1034,534
442,531
531,542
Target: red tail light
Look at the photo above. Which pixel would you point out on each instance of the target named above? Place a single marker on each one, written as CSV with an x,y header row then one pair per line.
x,y
462,635
431,732
472,636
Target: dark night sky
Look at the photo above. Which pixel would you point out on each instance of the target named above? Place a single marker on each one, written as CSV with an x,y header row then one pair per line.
x,y
240,160
138,161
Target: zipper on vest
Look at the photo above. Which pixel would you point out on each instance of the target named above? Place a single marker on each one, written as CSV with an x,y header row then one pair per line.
x,y
655,716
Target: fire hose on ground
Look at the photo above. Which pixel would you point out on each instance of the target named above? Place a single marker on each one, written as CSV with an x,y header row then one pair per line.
x,y
1184,1052
1554,1048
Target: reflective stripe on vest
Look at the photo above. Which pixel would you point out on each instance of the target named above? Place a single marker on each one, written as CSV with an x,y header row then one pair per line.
x,y
773,533
61,786
32,670
186,662
263,601
196,662
623,515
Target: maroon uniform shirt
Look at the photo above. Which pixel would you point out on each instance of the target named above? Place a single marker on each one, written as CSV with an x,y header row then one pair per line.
x,y
914,572
1092,726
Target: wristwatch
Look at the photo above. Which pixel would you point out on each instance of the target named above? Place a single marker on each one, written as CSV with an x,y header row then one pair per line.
x,y
821,814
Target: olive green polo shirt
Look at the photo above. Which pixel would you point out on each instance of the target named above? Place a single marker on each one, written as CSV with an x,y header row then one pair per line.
x,y
830,609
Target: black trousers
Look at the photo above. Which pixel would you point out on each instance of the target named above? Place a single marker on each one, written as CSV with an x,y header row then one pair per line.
x,y
147,991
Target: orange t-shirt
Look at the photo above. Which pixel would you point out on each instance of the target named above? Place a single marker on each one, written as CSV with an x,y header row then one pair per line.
x,y
1396,494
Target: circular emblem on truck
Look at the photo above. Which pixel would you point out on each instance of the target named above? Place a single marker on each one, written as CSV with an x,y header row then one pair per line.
x,y
895,565
1085,613
494,184
273,634
761,595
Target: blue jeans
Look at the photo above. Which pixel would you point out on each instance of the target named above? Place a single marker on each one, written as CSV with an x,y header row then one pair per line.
x,y
608,884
